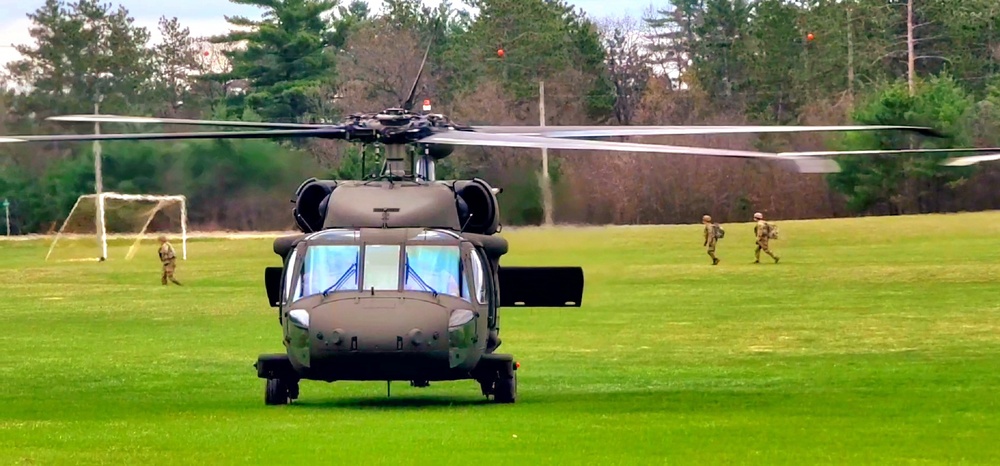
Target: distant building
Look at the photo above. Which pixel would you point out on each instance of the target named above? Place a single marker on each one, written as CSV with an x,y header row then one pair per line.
x,y
236,87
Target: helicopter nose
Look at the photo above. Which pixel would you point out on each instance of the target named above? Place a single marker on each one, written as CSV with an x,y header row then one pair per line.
x,y
416,337
375,325
338,338
377,339
335,337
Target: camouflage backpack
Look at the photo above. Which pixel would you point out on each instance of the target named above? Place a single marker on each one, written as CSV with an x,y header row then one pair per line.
x,y
718,231
771,230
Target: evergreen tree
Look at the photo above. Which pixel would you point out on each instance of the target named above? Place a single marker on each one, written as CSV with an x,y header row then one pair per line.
x,y
720,59
84,52
672,38
539,39
916,183
174,59
285,60
347,20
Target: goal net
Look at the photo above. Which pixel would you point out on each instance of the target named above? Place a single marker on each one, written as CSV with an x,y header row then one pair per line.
x,y
113,225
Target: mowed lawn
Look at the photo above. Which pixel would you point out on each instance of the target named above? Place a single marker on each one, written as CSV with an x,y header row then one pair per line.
x,y
874,341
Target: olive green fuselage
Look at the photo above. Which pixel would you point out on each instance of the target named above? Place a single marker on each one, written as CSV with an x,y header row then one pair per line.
x,y
387,337
400,280
383,321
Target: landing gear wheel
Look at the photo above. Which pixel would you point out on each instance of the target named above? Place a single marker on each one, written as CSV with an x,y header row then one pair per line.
x,y
505,389
276,392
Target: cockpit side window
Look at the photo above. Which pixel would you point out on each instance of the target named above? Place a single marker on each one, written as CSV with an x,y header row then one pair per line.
x,y
434,269
287,290
478,277
328,268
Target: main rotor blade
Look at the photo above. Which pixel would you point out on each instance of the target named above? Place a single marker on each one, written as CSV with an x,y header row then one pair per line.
x,y
180,121
465,138
612,131
413,90
826,153
970,160
328,133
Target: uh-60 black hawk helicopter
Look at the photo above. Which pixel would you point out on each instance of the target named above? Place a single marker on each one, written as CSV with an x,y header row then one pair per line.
x,y
397,276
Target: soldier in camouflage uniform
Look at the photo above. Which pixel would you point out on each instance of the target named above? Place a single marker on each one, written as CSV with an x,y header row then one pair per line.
x,y
169,260
761,231
710,239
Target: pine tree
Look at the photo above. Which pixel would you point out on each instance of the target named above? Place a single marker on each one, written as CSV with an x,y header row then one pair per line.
x,y
285,60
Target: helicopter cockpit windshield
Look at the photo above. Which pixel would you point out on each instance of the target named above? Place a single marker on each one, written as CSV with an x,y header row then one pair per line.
x,y
422,266
434,268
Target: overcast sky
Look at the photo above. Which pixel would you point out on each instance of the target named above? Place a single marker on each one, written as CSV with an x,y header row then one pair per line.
x,y
206,17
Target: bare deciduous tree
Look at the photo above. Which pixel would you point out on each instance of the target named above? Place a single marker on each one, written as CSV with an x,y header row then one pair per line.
x,y
378,65
628,64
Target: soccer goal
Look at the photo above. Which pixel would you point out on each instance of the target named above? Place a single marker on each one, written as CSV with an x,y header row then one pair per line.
x,y
120,219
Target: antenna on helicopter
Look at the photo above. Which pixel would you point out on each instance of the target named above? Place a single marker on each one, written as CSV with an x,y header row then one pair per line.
x,y
462,230
413,90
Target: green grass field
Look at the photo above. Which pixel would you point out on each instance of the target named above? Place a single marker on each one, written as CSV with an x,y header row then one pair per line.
x,y
874,341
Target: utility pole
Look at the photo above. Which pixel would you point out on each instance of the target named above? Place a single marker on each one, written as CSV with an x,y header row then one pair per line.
x,y
546,186
911,67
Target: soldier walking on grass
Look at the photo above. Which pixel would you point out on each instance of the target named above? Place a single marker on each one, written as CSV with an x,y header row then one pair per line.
x,y
169,260
712,236
763,231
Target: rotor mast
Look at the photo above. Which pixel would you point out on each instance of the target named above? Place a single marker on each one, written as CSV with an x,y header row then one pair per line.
x,y
424,164
420,165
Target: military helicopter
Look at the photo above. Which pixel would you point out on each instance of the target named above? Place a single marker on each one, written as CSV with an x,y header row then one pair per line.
x,y
397,276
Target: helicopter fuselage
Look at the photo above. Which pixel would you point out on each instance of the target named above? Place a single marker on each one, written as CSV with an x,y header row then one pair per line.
x,y
386,304
400,280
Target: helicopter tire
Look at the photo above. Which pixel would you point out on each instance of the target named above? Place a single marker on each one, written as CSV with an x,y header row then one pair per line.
x,y
505,388
276,392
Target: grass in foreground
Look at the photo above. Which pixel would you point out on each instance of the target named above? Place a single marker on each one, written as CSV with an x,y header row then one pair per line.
x,y
873,341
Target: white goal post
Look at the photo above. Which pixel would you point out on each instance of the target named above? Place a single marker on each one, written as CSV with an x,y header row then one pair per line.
x,y
100,221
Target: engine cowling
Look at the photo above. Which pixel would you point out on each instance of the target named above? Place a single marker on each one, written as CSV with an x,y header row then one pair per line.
x,y
312,197
475,203
477,206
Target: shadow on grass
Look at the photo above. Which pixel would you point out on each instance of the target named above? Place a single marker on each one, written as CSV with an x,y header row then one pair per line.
x,y
625,401
864,400
395,402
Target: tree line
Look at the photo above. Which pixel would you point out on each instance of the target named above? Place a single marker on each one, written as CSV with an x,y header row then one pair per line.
x,y
684,62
